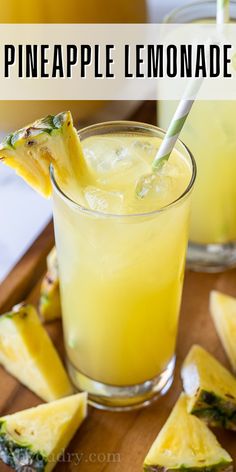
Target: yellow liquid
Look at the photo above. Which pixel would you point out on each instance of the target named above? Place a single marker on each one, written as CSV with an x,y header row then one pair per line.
x,y
210,134
121,277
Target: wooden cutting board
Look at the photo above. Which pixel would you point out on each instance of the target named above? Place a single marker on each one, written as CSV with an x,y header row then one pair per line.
x,y
116,442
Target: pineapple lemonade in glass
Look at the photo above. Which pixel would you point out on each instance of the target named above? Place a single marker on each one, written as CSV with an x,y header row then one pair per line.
x,y
121,264
210,133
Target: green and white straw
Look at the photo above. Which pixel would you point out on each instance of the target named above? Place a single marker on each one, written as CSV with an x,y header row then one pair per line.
x,y
176,124
186,103
179,117
222,12
171,136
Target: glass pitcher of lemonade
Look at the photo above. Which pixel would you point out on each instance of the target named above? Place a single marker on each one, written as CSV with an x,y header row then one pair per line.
x,y
210,133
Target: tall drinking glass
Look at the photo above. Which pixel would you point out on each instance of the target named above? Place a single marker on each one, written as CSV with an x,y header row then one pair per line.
x,y
121,281
210,133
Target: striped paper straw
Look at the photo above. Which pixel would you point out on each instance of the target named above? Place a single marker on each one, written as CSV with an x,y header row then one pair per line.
x,y
176,124
222,12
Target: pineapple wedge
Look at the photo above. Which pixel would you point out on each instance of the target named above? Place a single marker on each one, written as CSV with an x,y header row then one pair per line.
x,y
223,312
211,389
34,439
52,260
185,443
51,140
27,352
49,300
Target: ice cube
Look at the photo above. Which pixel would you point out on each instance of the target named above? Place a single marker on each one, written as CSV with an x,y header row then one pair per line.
x,y
169,170
145,185
144,148
121,154
106,155
154,190
163,186
95,199
90,156
103,200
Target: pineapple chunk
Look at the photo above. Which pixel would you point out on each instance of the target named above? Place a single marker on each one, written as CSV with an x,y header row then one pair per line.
x,y
211,389
223,312
34,439
49,301
52,260
27,352
51,140
186,443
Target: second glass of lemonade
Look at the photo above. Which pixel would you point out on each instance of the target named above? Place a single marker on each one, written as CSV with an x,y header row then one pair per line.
x,y
210,133
121,264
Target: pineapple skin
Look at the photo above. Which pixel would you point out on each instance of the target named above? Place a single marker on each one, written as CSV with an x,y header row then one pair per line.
x,y
16,455
28,446
49,301
205,403
214,410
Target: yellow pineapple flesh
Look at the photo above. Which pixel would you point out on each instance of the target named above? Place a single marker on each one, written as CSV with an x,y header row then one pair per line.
x,y
49,300
50,140
185,443
34,439
27,353
223,312
210,387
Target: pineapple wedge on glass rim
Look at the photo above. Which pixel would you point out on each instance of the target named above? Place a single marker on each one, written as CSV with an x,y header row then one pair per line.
x,y
34,439
223,312
186,444
27,353
211,389
50,140
49,305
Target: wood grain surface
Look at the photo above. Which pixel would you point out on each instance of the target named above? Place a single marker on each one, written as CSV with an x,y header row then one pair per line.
x,y
116,442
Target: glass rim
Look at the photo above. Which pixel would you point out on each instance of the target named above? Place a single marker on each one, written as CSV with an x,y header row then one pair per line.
x,y
197,3
134,125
